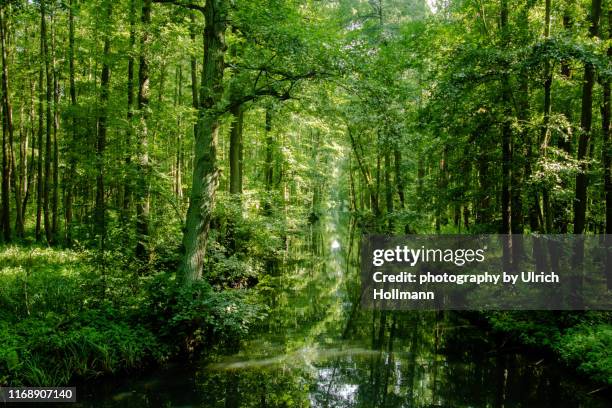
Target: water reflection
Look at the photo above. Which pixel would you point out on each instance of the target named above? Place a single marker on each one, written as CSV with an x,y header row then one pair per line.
x,y
319,349
335,245
421,361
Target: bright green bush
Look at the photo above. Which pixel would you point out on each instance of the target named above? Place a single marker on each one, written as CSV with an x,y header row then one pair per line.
x,y
589,348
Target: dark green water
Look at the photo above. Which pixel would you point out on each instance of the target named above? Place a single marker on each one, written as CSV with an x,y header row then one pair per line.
x,y
318,349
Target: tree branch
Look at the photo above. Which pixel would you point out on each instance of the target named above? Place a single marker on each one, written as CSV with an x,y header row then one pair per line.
x,y
280,95
180,3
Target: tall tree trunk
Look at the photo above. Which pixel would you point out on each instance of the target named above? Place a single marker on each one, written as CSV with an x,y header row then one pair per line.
x,y
547,80
519,161
441,199
483,202
23,160
69,185
399,180
142,189
420,183
178,167
586,118
100,206
6,187
365,173
56,96
545,131
564,142
39,165
506,131
268,162
607,152
7,121
48,126
388,190
127,183
235,153
195,102
205,171
268,166
29,166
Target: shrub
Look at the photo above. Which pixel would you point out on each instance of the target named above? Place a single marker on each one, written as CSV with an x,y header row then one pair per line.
x,y
589,348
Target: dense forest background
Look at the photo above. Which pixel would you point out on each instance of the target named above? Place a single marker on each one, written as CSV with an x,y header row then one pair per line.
x,y
160,156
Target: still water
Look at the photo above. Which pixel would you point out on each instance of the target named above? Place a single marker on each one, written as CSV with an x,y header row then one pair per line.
x,y
318,349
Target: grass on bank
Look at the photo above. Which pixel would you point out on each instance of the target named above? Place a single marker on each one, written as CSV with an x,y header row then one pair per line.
x,y
65,313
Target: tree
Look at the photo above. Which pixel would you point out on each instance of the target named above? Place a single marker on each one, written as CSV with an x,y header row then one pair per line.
x,y
205,170
101,138
586,119
7,140
142,189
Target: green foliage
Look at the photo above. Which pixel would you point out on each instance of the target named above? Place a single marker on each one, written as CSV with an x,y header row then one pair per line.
x,y
83,315
406,102
581,339
589,348
534,329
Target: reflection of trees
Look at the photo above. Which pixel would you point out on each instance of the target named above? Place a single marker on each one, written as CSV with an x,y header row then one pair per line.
x,y
272,388
395,359
427,360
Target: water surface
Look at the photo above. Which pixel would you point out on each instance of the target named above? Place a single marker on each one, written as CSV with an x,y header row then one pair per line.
x,y
318,349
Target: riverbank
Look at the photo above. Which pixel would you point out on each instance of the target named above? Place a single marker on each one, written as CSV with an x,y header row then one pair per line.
x,y
580,340
60,318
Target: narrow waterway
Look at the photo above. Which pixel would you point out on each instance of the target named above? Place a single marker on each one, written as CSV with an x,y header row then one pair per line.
x,y
318,349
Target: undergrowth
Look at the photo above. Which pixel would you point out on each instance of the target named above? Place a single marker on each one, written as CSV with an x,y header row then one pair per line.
x,y
66,313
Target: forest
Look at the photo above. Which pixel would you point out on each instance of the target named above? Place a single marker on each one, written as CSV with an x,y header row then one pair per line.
x,y
188,181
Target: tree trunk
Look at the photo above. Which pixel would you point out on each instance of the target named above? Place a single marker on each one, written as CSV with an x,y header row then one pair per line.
x,y
564,142
39,165
205,172
7,121
127,183
6,187
29,166
48,126
607,145
545,131
399,180
586,118
607,155
69,185
365,173
142,190
268,167
23,161
100,206
420,183
55,170
441,199
178,167
388,190
547,81
483,207
235,151
506,131
195,102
